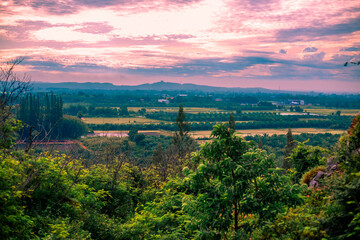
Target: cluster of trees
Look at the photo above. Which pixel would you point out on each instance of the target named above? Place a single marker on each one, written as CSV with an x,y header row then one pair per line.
x,y
230,101
42,116
91,111
275,143
239,116
43,113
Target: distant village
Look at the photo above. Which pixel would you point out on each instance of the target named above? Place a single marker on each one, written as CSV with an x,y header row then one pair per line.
x,y
166,99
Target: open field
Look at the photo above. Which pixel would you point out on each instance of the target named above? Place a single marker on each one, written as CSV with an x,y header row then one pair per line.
x,y
206,134
295,131
100,120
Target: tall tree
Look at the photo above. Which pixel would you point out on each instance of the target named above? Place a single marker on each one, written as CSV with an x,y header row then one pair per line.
x,y
183,127
290,145
232,123
182,141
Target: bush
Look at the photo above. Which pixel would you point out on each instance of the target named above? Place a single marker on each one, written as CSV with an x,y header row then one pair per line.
x,y
72,127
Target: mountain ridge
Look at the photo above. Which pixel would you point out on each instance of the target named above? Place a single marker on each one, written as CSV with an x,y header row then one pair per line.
x,y
157,86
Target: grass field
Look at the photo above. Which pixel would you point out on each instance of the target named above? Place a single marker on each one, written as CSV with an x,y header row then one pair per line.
x,y
135,120
206,134
295,131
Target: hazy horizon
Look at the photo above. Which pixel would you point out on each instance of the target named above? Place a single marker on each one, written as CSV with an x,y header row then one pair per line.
x,y
291,45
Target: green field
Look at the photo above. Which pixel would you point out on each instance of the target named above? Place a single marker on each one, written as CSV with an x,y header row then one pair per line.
x,y
270,132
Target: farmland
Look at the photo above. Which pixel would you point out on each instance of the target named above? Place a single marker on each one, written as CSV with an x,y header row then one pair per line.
x,y
250,132
329,111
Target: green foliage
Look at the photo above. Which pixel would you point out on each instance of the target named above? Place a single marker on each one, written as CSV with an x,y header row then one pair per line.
x,y
343,213
14,222
123,111
232,123
162,218
56,197
302,222
231,190
290,145
72,127
349,148
8,132
305,157
135,136
159,159
182,142
43,113
233,182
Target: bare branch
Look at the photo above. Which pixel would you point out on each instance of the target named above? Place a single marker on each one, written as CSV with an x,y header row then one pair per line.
x,y
11,87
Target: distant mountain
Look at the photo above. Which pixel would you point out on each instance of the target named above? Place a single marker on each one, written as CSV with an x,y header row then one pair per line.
x,y
158,86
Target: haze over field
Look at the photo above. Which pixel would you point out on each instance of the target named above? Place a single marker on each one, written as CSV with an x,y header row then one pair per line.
x,y
291,45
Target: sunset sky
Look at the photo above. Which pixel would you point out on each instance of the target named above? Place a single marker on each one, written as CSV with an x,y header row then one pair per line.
x,y
291,45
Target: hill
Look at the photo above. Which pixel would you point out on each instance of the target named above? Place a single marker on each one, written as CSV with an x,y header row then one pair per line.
x,y
157,86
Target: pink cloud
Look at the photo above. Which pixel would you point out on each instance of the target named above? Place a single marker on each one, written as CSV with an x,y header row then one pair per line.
x,y
259,41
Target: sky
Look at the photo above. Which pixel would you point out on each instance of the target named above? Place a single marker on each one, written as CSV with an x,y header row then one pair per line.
x,y
275,44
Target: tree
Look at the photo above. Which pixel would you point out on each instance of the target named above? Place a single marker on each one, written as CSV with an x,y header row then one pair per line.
x,y
260,145
11,87
304,157
232,182
71,127
135,136
183,127
159,160
232,123
343,215
181,140
290,145
124,111
132,133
